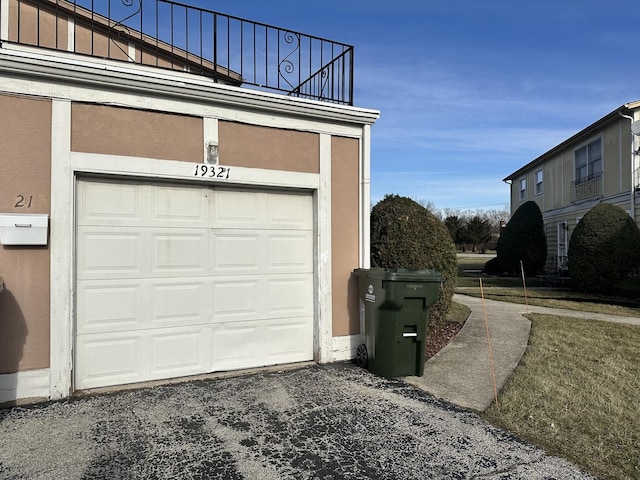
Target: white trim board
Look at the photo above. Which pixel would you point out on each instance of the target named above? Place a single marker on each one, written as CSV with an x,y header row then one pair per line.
x,y
346,347
69,165
4,19
184,171
22,385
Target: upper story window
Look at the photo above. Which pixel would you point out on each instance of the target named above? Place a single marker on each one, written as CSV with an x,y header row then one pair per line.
x,y
539,185
523,188
589,161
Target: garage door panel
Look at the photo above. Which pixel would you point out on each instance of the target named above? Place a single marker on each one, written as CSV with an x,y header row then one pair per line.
x,y
179,303
290,296
236,252
289,341
178,352
105,253
237,298
107,306
290,212
110,203
289,252
109,360
184,253
178,206
236,209
175,281
236,346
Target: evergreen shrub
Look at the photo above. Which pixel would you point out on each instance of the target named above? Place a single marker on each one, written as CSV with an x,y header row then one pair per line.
x,y
604,249
523,239
404,234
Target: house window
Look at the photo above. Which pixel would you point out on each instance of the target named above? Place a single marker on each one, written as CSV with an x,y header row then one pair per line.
x,y
523,189
561,263
589,161
539,178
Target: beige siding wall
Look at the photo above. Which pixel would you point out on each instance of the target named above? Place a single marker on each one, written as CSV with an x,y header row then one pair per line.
x,y
559,170
244,145
345,196
25,187
612,161
137,133
559,188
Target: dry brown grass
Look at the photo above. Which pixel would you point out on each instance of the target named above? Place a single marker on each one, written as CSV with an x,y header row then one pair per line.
x,y
576,394
553,298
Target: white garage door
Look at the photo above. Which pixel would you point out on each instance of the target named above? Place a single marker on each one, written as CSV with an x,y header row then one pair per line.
x,y
179,280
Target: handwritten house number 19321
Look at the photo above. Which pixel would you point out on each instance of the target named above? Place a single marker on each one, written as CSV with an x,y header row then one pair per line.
x,y
23,201
212,171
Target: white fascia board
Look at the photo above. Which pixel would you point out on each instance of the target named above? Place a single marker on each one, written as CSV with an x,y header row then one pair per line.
x,y
69,69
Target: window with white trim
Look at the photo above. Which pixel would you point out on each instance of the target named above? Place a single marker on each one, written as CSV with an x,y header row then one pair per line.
x,y
563,228
588,160
539,188
523,188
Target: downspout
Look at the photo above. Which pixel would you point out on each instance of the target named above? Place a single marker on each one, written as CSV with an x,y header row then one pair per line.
x,y
632,158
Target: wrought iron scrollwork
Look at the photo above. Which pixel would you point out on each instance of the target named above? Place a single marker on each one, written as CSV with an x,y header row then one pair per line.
x,y
324,79
122,30
286,65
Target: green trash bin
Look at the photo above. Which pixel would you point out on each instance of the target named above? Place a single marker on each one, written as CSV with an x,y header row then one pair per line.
x,y
396,308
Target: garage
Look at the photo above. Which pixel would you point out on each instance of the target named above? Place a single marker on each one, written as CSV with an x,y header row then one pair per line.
x,y
176,279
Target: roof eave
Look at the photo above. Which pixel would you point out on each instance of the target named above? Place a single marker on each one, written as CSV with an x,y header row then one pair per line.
x,y
625,108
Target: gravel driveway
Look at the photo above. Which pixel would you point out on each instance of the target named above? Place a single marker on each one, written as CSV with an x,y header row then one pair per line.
x,y
319,422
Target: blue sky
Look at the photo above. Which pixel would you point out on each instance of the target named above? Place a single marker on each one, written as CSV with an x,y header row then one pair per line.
x,y
470,90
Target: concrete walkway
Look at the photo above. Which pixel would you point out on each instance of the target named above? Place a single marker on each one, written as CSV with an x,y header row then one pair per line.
x,y
460,373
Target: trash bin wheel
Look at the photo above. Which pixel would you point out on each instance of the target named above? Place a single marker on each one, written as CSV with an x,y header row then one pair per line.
x,y
362,359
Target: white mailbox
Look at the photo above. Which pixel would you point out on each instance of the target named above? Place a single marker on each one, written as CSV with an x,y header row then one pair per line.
x,y
23,228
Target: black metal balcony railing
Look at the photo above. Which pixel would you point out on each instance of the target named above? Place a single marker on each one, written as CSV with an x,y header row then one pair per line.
x,y
587,187
173,35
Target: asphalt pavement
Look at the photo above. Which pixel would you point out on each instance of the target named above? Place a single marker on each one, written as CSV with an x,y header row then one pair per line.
x,y
317,422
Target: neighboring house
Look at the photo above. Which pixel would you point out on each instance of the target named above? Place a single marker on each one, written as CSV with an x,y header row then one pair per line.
x,y
204,186
598,164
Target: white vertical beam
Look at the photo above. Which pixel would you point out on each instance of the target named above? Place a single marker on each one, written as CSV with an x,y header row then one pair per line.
x,y
210,134
71,34
365,197
4,19
323,329
61,250
131,52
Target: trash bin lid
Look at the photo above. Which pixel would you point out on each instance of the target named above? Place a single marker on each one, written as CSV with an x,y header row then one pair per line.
x,y
401,274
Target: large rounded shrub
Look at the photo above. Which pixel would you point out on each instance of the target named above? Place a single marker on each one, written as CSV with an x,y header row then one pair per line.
x,y
523,239
604,249
404,234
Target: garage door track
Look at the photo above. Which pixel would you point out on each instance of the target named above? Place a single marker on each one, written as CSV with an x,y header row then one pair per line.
x,y
318,422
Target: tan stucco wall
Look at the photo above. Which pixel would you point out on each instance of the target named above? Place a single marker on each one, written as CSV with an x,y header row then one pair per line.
x,y
92,42
242,145
136,133
30,18
344,235
25,140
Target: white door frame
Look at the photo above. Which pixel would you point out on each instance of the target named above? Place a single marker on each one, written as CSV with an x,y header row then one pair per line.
x,y
67,165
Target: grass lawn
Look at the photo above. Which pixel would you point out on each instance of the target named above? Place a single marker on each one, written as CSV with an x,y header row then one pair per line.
x,y
575,394
575,391
511,290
